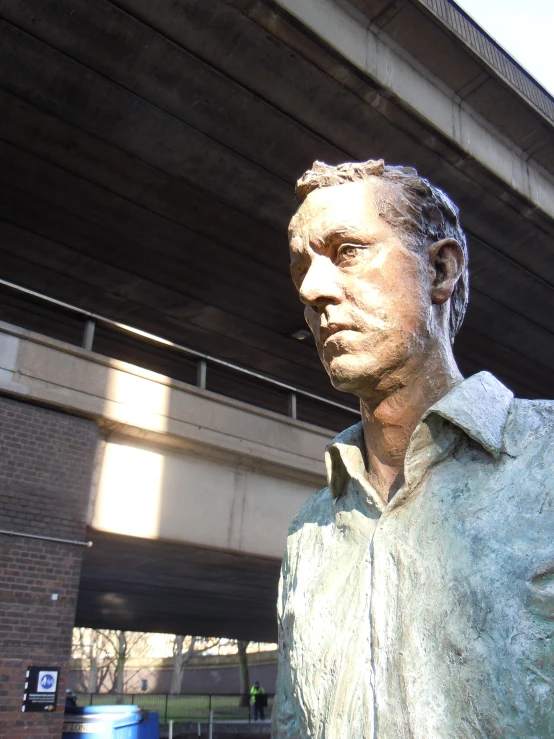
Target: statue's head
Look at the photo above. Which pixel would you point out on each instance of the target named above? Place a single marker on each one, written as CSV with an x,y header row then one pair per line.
x,y
380,262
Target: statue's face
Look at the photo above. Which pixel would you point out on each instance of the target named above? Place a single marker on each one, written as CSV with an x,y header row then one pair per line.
x,y
366,293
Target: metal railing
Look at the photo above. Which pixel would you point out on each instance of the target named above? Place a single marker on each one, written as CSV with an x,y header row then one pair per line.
x,y
189,708
92,319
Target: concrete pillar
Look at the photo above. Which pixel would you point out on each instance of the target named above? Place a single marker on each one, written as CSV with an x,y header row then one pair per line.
x,y
46,463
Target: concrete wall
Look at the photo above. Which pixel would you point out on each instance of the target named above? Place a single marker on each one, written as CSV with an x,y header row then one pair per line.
x,y
216,679
149,491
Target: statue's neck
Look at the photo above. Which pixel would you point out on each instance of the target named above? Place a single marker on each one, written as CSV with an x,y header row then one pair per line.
x,y
390,420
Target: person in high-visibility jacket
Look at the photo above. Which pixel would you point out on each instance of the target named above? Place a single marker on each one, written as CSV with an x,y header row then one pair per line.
x,y
259,702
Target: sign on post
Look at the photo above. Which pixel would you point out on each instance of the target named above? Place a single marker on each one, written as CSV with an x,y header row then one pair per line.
x,y
41,689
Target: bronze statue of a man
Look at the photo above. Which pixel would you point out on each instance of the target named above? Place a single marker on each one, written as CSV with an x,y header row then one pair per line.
x,y
417,589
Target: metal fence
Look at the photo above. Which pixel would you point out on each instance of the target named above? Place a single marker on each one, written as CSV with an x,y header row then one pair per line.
x,y
185,708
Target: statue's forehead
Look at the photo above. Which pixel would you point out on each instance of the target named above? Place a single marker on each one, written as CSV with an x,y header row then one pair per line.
x,y
345,206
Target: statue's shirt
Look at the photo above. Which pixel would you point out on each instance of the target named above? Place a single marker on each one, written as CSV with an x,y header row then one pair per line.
x,y
432,616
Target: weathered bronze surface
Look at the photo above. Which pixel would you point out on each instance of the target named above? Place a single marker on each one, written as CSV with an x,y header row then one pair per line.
x,y
416,595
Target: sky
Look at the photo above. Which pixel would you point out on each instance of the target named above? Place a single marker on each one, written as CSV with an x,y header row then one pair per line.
x,y
523,28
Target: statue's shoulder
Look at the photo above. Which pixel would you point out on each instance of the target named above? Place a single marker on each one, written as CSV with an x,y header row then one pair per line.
x,y
533,412
531,425
318,509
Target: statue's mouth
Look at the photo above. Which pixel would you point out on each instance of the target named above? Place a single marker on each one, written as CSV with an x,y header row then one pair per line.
x,y
332,329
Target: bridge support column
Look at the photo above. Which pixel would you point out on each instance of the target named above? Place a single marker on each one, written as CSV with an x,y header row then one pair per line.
x,y
46,463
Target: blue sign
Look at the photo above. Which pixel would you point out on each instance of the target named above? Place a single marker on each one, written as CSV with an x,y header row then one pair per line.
x,y
47,681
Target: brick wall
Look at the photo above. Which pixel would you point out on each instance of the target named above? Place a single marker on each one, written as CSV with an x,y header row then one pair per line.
x,y
46,462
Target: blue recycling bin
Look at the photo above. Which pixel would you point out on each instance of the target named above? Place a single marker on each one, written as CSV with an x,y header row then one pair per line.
x,y
149,727
110,722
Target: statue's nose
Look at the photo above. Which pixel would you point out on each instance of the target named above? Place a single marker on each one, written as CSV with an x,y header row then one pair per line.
x,y
321,284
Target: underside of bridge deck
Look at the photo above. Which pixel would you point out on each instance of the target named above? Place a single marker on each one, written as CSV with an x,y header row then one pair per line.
x,y
148,153
146,585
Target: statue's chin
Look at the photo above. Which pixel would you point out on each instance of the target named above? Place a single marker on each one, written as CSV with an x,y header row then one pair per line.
x,y
348,375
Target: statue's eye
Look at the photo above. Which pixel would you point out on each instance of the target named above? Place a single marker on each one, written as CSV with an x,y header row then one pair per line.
x,y
347,252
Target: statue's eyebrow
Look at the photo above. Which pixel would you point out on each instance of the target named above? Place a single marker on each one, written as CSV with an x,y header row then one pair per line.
x,y
329,237
338,235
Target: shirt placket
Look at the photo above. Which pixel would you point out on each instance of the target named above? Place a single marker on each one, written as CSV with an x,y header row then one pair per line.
x,y
424,452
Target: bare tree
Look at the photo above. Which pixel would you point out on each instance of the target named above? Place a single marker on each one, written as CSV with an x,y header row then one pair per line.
x,y
125,644
107,652
180,658
93,667
79,648
242,646
120,659
184,649
94,645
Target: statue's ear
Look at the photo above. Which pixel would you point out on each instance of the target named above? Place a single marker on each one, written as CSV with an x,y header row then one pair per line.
x,y
446,262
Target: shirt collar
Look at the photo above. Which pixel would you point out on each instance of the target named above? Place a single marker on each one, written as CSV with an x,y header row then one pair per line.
x,y
345,460
478,405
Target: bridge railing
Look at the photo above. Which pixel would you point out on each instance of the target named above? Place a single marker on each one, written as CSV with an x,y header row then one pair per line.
x,y
91,322
183,708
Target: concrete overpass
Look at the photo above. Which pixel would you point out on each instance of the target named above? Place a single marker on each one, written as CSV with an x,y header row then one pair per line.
x,y
192,493
148,152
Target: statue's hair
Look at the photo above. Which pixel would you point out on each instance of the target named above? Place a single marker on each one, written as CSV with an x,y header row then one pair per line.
x,y
408,203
